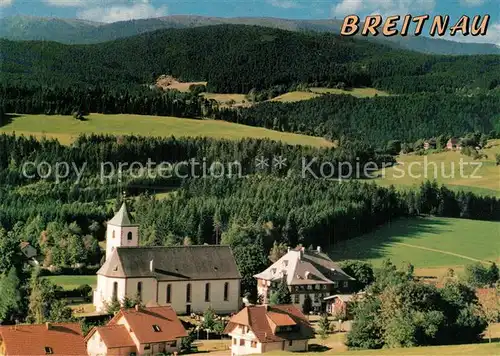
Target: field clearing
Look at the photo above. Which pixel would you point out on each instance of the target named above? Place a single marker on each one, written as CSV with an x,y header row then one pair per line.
x,y
71,282
228,99
426,243
293,96
356,92
66,129
184,87
478,176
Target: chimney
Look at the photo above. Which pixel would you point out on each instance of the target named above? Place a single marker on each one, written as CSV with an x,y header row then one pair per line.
x,y
48,326
151,266
318,249
301,253
307,274
288,249
137,307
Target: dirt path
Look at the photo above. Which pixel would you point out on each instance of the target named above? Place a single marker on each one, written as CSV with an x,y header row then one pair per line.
x,y
441,251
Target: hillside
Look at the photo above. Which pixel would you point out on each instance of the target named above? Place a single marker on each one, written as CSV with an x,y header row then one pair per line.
x,y
66,129
236,59
425,242
80,32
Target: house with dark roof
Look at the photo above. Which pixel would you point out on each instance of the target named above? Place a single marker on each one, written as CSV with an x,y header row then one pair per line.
x,y
189,278
307,273
453,144
263,328
42,339
140,331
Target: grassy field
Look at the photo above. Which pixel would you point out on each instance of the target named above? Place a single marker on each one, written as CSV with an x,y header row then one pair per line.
x,y
228,99
72,282
66,129
481,176
469,350
357,92
295,96
426,243
184,87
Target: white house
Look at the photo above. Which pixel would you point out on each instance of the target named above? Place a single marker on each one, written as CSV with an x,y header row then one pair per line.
x,y
189,278
263,328
307,273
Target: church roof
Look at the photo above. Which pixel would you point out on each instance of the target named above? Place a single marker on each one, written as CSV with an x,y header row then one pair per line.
x,y
172,263
121,218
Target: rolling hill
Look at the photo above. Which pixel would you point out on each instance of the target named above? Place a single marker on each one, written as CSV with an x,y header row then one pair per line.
x,y
66,129
238,58
425,242
73,31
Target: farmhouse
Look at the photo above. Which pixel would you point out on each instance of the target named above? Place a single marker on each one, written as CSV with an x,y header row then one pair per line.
x,y
139,331
307,273
189,278
340,305
262,328
430,144
42,339
453,144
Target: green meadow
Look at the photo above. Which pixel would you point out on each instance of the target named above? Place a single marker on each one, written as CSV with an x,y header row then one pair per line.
x,y
425,242
66,129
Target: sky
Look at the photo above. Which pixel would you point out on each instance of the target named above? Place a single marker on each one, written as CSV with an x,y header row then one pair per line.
x,y
118,10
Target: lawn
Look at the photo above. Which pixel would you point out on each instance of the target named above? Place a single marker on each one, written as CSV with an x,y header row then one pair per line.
x,y
66,129
481,176
357,92
72,282
425,242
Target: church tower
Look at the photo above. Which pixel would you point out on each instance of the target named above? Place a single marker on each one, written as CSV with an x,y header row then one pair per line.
x,y
121,232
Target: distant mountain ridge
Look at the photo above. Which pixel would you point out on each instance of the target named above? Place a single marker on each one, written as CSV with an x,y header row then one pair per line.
x,y
74,31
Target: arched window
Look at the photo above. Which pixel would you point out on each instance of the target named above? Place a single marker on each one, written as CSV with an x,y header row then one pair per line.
x,y
113,234
129,236
115,291
207,292
226,291
139,290
169,293
188,293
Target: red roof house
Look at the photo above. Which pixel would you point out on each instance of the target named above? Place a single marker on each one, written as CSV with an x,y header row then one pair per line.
x,y
42,339
262,328
151,330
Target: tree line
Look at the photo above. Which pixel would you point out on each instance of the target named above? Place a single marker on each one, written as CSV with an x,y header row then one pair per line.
x,y
376,120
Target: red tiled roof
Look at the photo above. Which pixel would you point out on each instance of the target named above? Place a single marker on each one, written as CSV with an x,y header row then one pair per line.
x,y
258,317
113,336
281,319
141,322
62,338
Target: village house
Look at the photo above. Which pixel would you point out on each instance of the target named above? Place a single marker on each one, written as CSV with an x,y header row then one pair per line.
x,y
42,339
27,250
340,305
140,331
307,273
189,278
263,328
430,144
453,144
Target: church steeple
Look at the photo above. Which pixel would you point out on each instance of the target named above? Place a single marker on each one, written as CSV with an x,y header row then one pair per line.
x,y
121,232
122,217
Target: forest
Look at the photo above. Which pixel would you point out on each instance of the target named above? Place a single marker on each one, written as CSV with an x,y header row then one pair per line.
x,y
65,219
237,59
376,120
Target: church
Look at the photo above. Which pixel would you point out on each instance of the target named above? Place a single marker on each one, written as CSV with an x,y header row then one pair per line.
x,y
188,278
